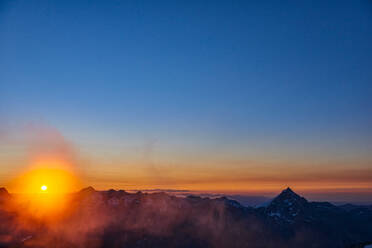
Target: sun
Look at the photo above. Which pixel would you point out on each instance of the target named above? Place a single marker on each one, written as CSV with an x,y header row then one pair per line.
x,y
44,188
46,180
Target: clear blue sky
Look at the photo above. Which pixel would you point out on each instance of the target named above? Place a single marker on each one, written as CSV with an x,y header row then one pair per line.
x,y
238,79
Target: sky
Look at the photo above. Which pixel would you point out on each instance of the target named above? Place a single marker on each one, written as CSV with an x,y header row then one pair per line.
x,y
225,96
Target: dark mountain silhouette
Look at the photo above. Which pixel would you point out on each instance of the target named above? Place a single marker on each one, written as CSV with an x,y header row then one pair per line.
x,y
121,219
287,206
87,190
4,193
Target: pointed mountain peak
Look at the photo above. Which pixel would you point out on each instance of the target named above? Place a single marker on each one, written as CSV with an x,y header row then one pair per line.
x,y
287,205
288,193
288,189
3,192
89,189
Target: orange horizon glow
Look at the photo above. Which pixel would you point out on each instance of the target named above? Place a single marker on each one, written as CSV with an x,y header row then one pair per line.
x,y
59,177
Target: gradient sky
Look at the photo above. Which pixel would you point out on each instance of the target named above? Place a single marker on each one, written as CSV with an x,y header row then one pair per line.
x,y
200,95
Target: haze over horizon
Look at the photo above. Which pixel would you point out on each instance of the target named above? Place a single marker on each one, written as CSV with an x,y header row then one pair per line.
x,y
220,97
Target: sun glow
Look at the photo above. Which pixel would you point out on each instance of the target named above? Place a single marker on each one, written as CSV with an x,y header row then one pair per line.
x,y
44,188
47,175
56,181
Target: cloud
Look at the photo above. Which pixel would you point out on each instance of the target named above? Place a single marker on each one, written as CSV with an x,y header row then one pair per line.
x,y
46,142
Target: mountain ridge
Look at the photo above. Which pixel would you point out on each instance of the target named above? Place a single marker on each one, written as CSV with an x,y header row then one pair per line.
x,y
163,220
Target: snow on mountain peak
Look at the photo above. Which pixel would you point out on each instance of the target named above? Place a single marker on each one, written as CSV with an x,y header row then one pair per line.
x,y
287,205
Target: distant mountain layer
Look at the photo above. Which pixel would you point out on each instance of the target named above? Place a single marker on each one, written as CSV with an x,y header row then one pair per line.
x,y
121,219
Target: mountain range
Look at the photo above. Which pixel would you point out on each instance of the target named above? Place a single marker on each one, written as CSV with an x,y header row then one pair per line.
x,y
120,219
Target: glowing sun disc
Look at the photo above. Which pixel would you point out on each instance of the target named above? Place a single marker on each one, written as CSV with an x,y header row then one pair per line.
x,y
44,188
